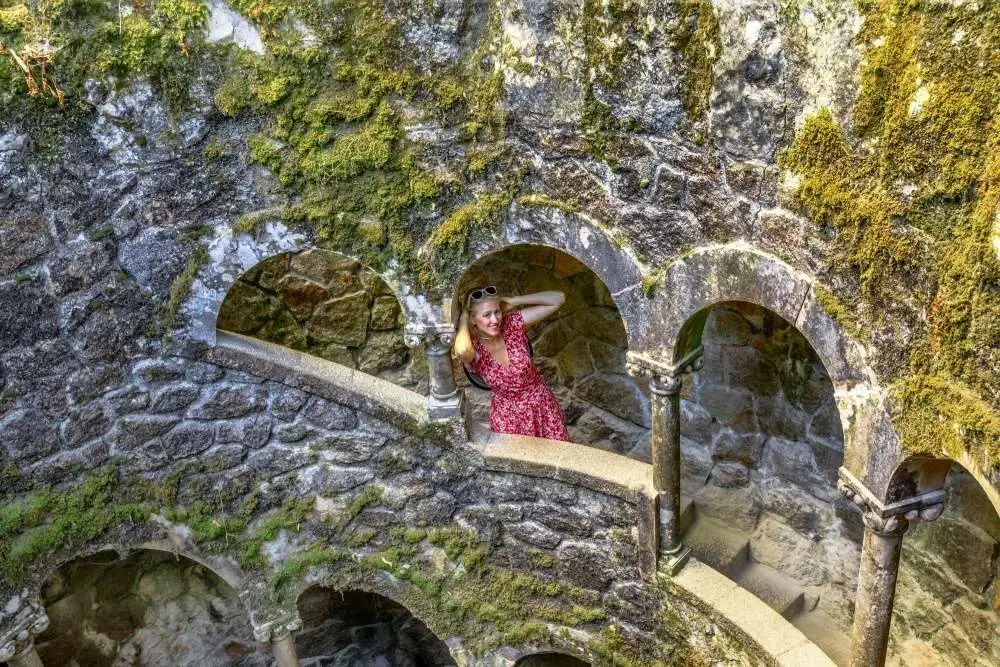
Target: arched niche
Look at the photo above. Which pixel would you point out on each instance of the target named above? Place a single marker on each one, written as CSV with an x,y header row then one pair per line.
x,y
351,626
577,237
674,326
550,659
580,349
761,446
230,255
328,305
150,603
947,602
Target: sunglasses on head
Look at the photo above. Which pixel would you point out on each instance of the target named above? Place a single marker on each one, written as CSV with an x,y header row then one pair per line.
x,y
482,293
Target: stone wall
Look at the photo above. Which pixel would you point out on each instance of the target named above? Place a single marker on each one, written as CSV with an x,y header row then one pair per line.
x,y
294,489
325,304
580,349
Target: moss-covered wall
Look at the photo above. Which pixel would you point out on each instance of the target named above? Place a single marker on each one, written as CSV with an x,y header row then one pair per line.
x,y
906,192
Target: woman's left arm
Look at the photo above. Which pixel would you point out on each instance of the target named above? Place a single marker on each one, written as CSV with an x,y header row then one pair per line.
x,y
539,305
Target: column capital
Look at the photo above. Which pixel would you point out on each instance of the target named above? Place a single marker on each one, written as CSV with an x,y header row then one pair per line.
x,y
664,378
436,338
886,519
19,636
276,627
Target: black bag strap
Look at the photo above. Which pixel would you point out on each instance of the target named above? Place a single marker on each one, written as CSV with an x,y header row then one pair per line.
x,y
476,380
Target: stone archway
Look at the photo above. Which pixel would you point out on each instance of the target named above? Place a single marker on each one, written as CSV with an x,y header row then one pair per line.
x,y
580,349
150,605
328,305
761,446
357,627
947,602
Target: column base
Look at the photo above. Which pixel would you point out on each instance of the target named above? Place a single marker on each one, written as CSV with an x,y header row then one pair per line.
x,y
672,562
445,409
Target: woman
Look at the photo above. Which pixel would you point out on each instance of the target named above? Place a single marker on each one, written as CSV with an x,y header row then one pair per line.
x,y
492,342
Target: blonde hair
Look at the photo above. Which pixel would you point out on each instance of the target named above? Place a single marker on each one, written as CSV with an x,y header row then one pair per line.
x,y
462,348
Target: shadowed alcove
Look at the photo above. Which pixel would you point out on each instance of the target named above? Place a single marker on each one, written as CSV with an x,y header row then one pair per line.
x,y
580,350
550,660
149,608
355,628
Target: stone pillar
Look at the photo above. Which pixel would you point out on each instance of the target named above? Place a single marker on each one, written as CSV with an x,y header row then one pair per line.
x,y
17,641
445,401
278,632
665,444
884,528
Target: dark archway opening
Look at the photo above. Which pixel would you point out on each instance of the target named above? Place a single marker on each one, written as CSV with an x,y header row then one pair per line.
x,y
150,608
550,660
360,629
580,350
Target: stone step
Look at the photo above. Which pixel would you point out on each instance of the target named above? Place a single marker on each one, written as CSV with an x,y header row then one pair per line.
x,y
775,589
825,633
717,545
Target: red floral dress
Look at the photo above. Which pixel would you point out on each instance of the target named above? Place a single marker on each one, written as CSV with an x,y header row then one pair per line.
x,y
522,403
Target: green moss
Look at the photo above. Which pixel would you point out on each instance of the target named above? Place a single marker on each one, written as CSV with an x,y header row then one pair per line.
x,y
697,39
298,564
182,285
544,201
845,316
909,200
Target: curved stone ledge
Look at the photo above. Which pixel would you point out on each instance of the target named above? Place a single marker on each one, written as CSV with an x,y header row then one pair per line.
x,y
589,467
746,616
326,379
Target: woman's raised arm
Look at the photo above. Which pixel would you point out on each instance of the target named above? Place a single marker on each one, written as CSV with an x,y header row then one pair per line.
x,y
539,305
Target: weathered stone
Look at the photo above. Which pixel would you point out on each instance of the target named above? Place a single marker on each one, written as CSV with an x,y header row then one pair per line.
x,y
747,368
729,474
246,309
343,320
535,534
134,430
30,313
437,509
157,370
294,431
383,350
617,394
187,439
586,565
22,241
202,373
85,424
229,401
967,550
331,479
338,354
825,424
385,313
746,448
330,416
777,544
79,265
252,431
301,295
553,339
779,418
321,265
349,448
738,507
573,361
28,435
286,401
731,407
566,520
128,400
602,323
727,327
271,461
696,422
172,398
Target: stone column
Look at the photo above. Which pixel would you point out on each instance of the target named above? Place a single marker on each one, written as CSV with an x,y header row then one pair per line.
x,y
884,528
665,445
278,632
17,642
445,401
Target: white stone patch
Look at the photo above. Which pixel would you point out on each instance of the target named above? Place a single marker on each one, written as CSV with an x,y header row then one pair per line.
x,y
958,36
585,235
752,31
227,25
309,38
919,99
995,236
